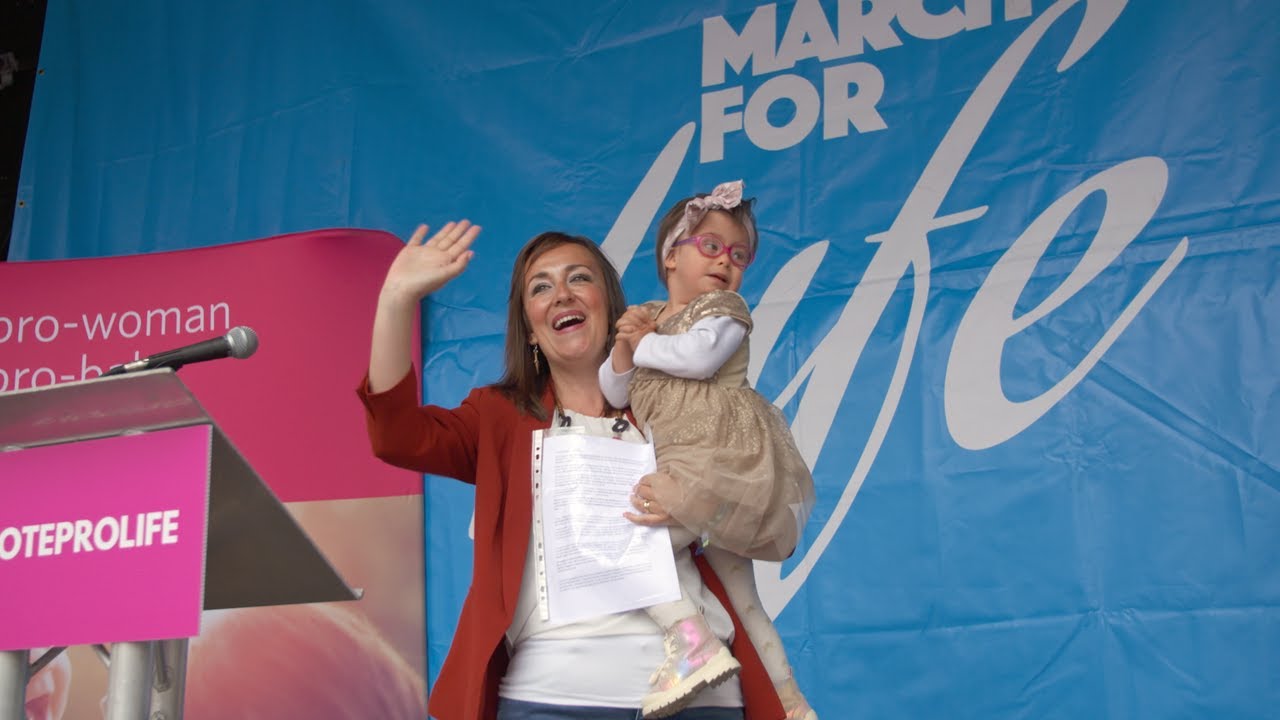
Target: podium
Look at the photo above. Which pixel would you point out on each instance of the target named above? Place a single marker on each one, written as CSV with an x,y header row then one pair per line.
x,y
102,441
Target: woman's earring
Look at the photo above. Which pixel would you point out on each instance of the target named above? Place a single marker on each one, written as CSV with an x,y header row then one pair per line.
x,y
537,367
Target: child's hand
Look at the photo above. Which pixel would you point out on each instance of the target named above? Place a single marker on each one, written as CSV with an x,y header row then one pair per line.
x,y
634,324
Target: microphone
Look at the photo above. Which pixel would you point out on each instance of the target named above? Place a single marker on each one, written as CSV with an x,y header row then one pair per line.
x,y
240,342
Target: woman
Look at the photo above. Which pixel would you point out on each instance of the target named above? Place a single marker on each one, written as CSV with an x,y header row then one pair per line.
x,y
505,662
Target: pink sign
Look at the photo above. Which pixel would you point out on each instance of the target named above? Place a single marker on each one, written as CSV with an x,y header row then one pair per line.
x,y
104,540
291,408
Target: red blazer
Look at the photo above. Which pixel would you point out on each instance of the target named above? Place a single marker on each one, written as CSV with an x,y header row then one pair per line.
x,y
486,442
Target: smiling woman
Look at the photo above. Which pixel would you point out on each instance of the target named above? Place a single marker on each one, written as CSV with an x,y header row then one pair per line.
x,y
505,661
564,300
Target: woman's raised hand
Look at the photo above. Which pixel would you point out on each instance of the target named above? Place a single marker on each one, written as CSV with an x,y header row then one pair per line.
x,y
420,268
424,266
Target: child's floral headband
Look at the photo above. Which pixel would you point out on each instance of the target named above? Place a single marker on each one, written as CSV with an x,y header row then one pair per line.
x,y
725,196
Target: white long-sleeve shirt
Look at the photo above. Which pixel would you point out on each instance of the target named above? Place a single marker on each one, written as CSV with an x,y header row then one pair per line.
x,y
694,355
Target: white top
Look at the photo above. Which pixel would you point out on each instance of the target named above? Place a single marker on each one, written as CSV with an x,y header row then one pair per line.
x,y
693,355
605,661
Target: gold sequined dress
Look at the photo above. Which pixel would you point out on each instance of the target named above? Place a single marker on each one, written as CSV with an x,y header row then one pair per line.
x,y
737,477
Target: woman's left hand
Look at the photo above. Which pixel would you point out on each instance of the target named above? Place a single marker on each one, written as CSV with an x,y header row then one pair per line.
x,y
650,510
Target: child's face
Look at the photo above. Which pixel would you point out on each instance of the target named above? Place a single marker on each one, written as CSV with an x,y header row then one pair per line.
x,y
690,273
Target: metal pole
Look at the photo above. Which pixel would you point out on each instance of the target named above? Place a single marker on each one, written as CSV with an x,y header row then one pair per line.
x,y
171,678
13,684
129,681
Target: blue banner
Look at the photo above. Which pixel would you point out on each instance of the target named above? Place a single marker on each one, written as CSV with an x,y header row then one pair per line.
x,y
1016,286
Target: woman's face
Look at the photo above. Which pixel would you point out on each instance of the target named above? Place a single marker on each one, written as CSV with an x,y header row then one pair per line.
x,y
566,308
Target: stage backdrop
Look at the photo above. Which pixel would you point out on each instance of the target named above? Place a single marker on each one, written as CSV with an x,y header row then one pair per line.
x,y
1016,290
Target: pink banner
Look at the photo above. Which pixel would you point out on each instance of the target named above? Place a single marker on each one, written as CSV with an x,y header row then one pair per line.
x,y
104,540
289,409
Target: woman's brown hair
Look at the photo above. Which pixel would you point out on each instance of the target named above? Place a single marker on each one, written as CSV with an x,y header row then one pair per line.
x,y
523,383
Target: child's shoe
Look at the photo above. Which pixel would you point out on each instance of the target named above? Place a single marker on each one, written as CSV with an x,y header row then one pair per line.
x,y
793,701
696,659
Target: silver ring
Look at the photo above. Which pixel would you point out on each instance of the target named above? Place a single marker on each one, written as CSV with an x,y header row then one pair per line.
x,y
646,505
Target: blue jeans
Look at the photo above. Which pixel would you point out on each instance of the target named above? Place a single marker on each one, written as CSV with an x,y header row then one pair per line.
x,y
509,709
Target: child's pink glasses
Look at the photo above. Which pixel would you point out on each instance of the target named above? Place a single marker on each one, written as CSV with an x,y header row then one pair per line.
x,y
712,246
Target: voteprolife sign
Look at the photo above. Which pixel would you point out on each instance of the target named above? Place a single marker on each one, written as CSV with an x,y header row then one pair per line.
x,y
103,540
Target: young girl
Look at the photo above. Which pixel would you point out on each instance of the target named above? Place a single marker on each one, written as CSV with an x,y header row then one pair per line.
x,y
728,469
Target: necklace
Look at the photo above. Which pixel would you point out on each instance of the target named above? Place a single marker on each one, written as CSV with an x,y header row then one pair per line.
x,y
620,423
